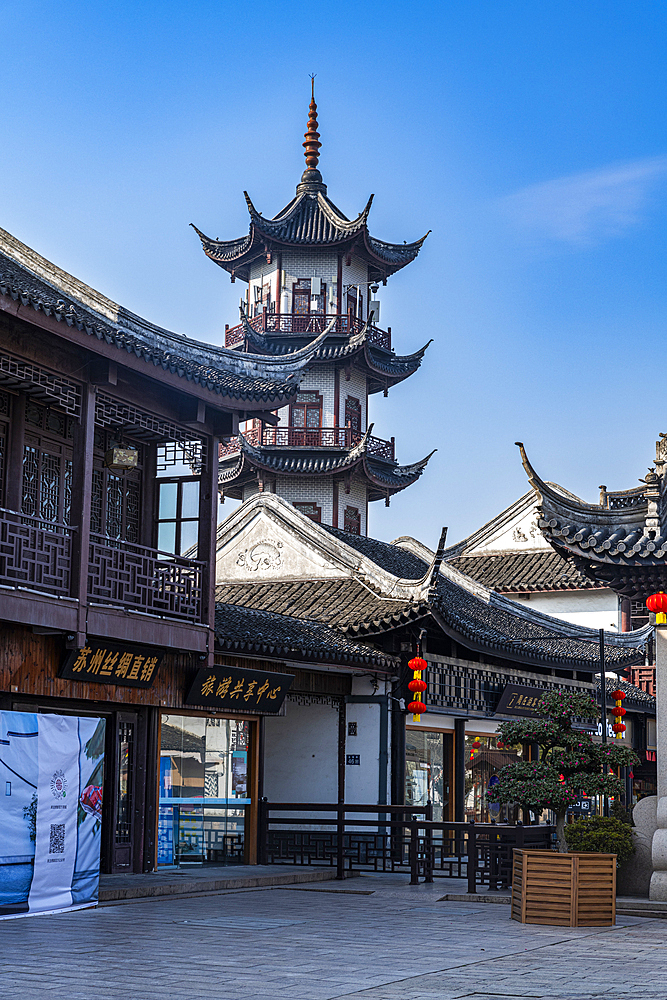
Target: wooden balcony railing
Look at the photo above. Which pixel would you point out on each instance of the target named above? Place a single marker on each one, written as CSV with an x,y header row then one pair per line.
x,y
34,553
311,325
310,437
147,580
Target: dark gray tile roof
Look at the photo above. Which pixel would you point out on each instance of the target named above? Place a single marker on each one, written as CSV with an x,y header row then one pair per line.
x,y
523,572
311,219
340,603
609,544
501,625
223,372
250,630
634,696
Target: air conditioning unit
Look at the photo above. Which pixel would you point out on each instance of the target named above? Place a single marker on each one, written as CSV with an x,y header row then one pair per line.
x,y
315,286
374,307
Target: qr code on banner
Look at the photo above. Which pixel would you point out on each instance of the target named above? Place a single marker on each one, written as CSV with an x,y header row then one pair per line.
x,y
57,838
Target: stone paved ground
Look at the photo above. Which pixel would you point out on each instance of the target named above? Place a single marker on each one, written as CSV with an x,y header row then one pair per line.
x,y
372,938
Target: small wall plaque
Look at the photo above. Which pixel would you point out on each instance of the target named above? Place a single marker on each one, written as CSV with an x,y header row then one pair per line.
x,y
353,758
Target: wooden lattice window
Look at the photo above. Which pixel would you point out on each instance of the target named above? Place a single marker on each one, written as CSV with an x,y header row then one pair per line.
x,y
301,297
115,507
353,416
47,464
311,510
4,413
352,520
306,411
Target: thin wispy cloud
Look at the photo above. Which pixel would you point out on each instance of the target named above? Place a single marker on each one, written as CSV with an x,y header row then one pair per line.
x,y
588,207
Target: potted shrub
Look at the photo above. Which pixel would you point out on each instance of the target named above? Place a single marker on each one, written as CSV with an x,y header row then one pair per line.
x,y
568,887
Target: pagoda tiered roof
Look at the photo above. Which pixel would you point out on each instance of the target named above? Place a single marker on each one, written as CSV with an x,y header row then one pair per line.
x,y
369,458
620,542
365,346
311,219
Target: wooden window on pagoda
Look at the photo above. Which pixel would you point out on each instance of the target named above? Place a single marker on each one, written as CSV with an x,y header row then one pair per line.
x,y
301,297
311,510
353,418
47,464
352,301
115,506
352,520
306,419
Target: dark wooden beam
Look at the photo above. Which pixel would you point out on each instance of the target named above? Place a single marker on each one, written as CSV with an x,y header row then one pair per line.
x,y
82,488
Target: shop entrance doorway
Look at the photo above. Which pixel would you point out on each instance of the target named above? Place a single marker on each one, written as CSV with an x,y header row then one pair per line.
x,y
205,790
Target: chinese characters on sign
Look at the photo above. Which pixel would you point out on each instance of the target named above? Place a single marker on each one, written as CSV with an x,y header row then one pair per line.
x,y
519,700
234,687
107,663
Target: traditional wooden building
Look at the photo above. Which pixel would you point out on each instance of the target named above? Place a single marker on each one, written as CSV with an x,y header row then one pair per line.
x,y
485,654
310,270
109,435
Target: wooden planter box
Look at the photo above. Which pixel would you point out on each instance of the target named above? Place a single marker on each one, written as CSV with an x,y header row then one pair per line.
x,y
570,890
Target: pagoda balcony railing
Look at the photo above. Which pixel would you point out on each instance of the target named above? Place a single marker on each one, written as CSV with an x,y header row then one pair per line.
x,y
310,437
35,554
143,579
311,324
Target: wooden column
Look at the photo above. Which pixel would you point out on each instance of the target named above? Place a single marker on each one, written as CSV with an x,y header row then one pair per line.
x,y
82,486
626,615
14,491
208,527
149,489
459,769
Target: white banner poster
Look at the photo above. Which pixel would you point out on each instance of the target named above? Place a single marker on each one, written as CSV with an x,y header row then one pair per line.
x,y
57,802
52,769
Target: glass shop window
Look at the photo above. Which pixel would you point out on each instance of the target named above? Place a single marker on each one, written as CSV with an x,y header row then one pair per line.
x,y
484,759
424,771
204,794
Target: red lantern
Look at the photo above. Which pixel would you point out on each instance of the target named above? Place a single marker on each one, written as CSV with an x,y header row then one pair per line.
x,y
618,711
618,727
477,744
658,604
417,664
618,695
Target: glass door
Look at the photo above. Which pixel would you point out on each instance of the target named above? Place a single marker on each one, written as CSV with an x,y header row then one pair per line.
x,y
204,794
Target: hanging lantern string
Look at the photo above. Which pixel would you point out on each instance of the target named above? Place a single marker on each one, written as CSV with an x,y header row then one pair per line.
x,y
417,686
618,712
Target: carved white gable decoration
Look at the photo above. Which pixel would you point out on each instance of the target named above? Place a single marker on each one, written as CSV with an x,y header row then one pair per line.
x,y
262,547
516,529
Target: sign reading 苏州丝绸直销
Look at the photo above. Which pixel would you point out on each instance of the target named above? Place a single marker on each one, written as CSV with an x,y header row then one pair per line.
x,y
109,663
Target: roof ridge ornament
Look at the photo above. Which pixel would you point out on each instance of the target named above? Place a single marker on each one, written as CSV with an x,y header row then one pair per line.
x,y
311,135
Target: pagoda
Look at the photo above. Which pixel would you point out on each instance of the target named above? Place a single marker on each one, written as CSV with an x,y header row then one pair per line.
x,y
313,274
621,541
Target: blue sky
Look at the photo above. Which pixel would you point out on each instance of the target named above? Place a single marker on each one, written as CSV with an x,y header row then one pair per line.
x,y
530,138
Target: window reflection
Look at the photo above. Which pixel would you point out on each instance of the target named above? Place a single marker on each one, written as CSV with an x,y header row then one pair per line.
x,y
203,790
424,777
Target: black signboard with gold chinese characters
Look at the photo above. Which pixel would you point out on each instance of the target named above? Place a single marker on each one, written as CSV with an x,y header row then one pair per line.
x,y
236,688
109,663
519,700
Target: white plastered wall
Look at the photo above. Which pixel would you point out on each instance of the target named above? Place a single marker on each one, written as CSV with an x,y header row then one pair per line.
x,y
301,752
593,608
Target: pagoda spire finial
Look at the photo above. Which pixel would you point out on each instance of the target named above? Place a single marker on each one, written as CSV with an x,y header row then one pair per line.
x,y
311,135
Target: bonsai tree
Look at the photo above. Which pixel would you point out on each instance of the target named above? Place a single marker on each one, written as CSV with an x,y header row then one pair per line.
x,y
570,763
